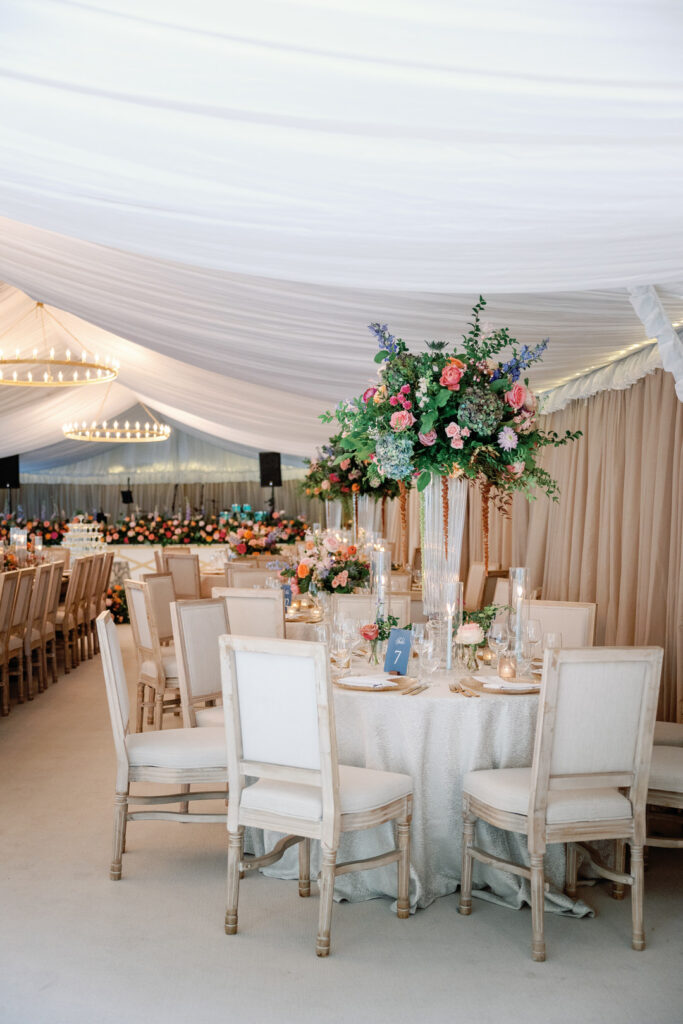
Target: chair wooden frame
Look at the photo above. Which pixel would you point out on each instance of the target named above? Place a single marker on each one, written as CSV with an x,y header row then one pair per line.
x,y
301,830
18,627
34,637
534,824
126,773
49,631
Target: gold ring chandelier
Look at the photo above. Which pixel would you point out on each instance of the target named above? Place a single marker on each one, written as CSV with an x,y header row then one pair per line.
x,y
123,433
46,369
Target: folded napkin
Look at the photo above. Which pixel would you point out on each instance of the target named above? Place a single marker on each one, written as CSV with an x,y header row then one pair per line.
x,y
374,680
509,684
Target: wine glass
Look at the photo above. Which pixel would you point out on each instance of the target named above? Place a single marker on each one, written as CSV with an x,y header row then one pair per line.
x,y
340,651
534,635
498,638
429,664
552,641
523,658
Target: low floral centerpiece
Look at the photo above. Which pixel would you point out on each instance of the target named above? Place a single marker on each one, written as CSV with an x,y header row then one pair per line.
x,y
377,633
330,566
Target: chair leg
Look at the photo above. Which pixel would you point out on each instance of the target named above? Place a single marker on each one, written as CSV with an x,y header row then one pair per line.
x,y
140,711
53,659
305,867
637,871
120,820
616,889
466,874
403,903
235,842
572,870
30,692
88,628
158,709
4,683
537,900
184,806
322,946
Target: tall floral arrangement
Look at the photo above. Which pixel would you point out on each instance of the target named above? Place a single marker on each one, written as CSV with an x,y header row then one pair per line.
x,y
335,474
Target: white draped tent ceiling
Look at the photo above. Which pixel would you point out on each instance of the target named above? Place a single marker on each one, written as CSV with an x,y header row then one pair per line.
x,y
224,195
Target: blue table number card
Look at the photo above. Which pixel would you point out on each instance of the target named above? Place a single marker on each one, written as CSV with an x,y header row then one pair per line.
x,y
287,591
398,651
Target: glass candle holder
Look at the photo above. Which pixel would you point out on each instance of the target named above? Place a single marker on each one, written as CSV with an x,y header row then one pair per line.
x,y
518,601
507,667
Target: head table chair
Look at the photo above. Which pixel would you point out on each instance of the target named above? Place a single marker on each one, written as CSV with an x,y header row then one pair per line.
x,y
475,584
197,626
34,635
575,620
666,786
253,612
8,589
184,569
177,757
49,633
669,734
362,607
588,779
18,627
157,666
279,722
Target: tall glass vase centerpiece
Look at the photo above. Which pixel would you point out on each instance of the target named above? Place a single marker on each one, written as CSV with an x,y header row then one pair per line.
x,y
333,515
444,416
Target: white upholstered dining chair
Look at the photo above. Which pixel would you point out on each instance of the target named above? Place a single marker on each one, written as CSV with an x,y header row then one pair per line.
x,y
8,589
197,626
253,612
474,585
19,625
575,620
588,779
669,734
241,576
362,606
279,721
157,666
184,570
178,757
34,635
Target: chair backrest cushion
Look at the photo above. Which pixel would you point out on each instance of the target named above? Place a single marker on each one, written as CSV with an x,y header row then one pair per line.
x,y
575,621
253,612
8,588
160,595
362,607
115,680
199,624
185,572
137,609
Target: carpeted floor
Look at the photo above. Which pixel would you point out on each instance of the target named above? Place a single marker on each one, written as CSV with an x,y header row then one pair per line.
x,y
76,948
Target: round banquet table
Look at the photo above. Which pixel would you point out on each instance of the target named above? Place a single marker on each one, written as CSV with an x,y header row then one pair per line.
x,y
436,737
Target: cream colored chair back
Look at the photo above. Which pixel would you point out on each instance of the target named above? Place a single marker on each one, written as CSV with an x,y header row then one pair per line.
x,y
184,569
595,724
140,620
117,694
243,577
160,596
159,561
105,577
474,587
197,626
362,607
501,592
54,590
575,621
39,597
58,554
253,612
8,590
279,722
22,601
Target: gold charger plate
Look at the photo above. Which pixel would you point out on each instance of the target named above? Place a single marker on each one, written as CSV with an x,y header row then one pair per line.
x,y
404,683
474,684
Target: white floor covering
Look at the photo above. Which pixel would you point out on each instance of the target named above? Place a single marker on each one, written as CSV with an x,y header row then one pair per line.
x,y
76,948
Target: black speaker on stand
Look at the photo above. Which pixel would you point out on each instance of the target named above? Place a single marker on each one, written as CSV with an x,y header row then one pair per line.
x,y
9,476
271,474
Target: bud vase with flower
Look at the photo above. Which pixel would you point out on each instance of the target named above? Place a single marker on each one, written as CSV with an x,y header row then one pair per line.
x,y
469,636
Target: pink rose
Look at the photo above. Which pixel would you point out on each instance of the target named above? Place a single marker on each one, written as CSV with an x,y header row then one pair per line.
x,y
331,543
405,390
393,400
452,374
453,431
334,479
429,438
344,464
530,402
325,485
341,580
516,396
401,420
515,470
370,632
368,394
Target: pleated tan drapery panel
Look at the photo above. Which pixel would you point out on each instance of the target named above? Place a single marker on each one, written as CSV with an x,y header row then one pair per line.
x,y
616,535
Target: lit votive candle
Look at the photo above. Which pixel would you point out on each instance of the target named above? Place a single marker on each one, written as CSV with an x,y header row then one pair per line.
x,y
506,667
486,656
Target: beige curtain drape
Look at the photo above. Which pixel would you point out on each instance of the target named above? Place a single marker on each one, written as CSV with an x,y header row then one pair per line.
x,y
616,534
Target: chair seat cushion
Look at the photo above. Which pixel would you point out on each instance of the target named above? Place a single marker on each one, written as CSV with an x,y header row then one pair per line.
x,y
178,748
508,790
211,717
360,789
666,769
668,734
169,663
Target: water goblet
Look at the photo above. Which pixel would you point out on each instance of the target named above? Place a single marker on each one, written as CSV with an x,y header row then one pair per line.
x,y
552,641
498,638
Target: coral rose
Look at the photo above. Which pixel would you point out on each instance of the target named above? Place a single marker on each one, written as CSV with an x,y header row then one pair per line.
x,y
344,464
516,396
429,438
303,571
401,420
452,374
515,470
368,394
370,632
